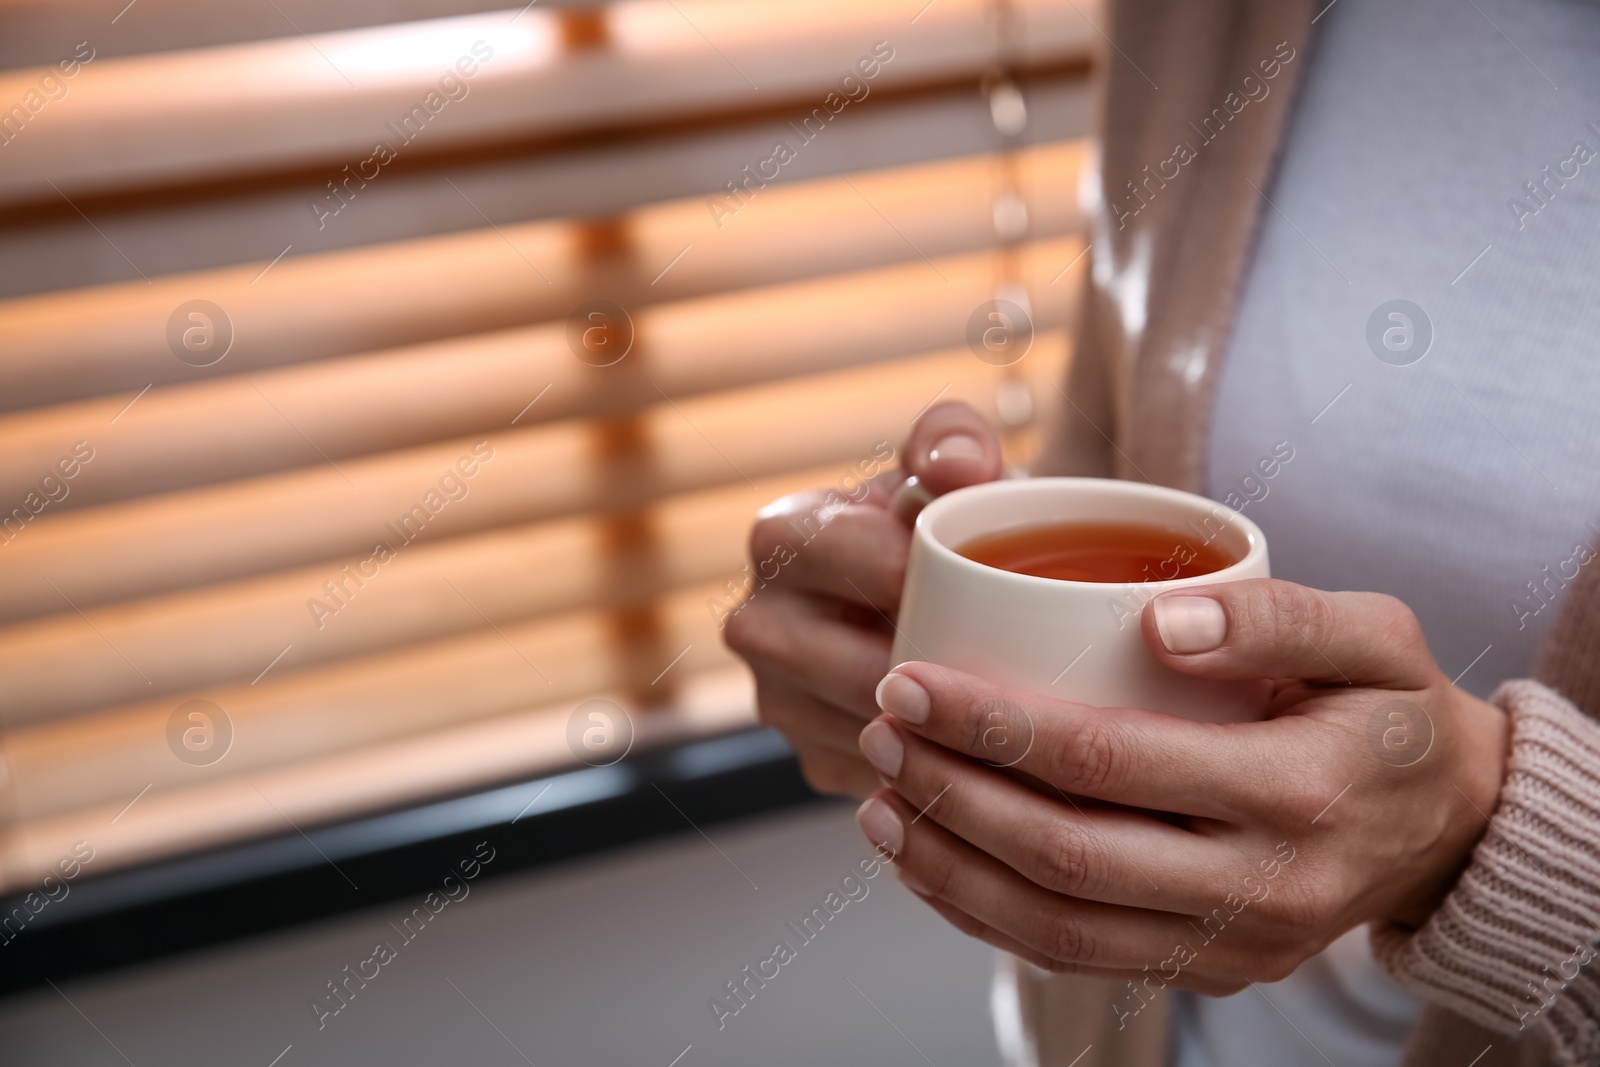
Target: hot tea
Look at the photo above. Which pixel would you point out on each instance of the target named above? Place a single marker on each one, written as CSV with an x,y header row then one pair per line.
x,y
1112,552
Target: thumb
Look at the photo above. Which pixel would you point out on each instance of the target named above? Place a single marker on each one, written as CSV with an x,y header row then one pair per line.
x,y
1262,628
952,446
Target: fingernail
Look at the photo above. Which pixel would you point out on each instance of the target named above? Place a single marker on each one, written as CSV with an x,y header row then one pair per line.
x,y
911,882
883,748
903,698
956,446
1190,624
881,825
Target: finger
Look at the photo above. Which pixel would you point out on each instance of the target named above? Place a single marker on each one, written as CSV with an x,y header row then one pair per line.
x,y
988,934
816,542
1200,977
1138,758
1261,628
952,446
1050,840
1080,932
803,641
982,931
804,719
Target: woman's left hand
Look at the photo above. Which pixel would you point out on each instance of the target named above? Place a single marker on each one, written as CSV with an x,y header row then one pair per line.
x,y
1227,853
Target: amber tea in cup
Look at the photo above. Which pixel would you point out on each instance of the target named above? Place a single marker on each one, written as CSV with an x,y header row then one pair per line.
x,y
1110,552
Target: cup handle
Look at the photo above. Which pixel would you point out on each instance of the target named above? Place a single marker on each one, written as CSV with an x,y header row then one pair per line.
x,y
912,496
909,499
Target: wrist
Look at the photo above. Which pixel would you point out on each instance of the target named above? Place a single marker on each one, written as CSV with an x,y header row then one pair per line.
x,y
1474,744
1486,753
1523,908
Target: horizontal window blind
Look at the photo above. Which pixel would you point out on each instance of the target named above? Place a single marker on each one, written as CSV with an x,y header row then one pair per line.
x,y
387,507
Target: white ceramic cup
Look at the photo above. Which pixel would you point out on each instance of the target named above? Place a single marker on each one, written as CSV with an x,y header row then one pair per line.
x,y
1079,641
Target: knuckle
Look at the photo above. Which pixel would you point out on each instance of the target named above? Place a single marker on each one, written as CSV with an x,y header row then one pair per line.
x,y
1299,802
1313,917
1298,914
1087,761
1067,939
999,730
1397,622
1275,914
1064,861
773,527
976,718
1293,613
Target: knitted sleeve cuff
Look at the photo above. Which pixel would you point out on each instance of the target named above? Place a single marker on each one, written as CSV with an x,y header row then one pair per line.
x,y
1513,947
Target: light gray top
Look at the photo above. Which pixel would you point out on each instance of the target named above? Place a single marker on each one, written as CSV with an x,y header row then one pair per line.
x,y
1418,145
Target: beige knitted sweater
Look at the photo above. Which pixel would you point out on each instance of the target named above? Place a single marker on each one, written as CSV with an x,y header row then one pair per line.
x,y
1506,964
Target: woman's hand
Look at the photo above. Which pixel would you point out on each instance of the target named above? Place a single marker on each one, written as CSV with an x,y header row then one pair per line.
x,y
817,636
1214,855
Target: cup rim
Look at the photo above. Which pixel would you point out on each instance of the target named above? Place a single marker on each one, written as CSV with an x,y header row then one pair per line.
x,y
922,529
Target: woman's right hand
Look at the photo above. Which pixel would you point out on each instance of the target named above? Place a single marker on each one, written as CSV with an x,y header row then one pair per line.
x,y
817,636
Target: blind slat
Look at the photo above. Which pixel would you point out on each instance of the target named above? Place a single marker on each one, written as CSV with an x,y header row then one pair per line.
x,y
196,537
215,635
443,389
312,307
56,767
207,113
